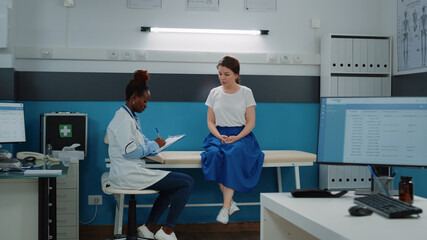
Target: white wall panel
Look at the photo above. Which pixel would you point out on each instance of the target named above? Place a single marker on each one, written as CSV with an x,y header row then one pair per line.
x,y
110,24
4,25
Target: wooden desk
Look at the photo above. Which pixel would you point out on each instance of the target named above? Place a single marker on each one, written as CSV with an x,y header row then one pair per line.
x,y
285,217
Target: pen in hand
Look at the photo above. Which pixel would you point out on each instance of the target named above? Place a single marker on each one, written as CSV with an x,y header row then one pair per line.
x,y
159,140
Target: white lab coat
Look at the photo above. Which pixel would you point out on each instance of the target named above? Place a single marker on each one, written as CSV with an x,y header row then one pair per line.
x,y
128,173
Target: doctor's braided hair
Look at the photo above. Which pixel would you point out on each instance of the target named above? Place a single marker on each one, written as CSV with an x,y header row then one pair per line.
x,y
138,85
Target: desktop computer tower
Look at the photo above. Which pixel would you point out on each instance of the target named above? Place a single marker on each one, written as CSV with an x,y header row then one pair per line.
x,y
62,129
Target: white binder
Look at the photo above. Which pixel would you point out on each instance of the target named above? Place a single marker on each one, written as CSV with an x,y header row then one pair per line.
x,y
339,175
356,54
377,86
371,87
364,55
363,86
333,86
327,176
355,176
386,87
371,55
356,86
363,177
341,54
334,54
332,176
348,54
348,86
348,176
385,53
340,86
4,25
379,58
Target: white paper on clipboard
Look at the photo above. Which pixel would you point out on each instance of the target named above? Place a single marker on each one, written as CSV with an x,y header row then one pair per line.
x,y
169,141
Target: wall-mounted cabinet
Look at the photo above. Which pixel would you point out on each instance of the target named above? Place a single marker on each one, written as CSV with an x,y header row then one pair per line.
x,y
355,65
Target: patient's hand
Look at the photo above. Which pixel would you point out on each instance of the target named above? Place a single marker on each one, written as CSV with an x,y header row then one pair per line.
x,y
231,139
223,138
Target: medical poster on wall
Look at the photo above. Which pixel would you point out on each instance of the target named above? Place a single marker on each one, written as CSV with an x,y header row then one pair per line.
x,y
411,34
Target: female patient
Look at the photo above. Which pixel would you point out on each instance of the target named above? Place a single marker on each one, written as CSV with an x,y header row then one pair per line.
x,y
127,145
232,155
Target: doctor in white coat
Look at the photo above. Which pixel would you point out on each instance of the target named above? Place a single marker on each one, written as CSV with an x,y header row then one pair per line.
x,y
127,145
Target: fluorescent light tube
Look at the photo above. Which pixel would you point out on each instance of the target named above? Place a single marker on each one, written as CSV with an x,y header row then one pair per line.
x,y
210,31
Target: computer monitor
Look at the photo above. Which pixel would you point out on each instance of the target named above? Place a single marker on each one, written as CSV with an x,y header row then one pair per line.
x,y
12,122
377,131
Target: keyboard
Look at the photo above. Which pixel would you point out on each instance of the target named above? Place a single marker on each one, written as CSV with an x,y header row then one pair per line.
x,y
387,206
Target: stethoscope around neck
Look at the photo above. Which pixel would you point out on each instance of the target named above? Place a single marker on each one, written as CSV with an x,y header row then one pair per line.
x,y
138,127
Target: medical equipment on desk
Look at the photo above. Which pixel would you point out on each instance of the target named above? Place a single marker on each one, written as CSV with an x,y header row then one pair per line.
x,y
69,154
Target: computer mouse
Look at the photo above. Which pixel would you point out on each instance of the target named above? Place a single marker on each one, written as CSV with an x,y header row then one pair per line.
x,y
30,159
359,211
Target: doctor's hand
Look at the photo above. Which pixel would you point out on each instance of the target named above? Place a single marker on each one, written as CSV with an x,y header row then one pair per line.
x,y
160,141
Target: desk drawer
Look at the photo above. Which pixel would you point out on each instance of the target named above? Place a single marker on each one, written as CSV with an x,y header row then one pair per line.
x,y
66,195
65,220
66,233
70,181
66,207
65,182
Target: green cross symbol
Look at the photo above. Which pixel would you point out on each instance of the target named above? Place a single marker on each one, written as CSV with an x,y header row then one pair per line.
x,y
65,130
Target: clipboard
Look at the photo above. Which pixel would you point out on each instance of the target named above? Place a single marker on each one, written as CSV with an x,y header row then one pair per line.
x,y
169,141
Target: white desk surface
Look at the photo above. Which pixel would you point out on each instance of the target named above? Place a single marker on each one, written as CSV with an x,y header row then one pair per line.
x,y
328,218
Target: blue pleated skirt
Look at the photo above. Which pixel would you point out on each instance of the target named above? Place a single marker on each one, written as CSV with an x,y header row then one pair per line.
x,y
237,165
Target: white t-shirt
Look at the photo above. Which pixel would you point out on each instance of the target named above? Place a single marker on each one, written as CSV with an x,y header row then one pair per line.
x,y
230,109
128,173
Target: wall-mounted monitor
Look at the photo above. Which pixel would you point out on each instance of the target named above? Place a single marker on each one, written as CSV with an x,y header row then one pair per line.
x,y
381,131
12,122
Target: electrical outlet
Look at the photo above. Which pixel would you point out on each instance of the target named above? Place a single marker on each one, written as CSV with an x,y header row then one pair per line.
x,y
127,54
285,59
140,55
272,58
46,52
95,200
113,54
297,59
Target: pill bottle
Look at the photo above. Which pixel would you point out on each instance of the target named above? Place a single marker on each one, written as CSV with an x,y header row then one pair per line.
x,y
49,150
406,189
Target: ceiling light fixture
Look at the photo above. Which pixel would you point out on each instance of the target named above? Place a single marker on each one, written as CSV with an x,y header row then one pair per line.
x,y
195,30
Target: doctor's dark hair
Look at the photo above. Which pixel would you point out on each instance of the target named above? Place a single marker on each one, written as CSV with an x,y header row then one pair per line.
x,y
138,85
232,63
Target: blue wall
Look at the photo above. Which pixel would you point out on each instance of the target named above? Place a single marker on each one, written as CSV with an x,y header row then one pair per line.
x,y
290,126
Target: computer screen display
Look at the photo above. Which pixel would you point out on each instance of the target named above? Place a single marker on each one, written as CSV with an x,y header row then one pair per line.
x,y
12,123
383,131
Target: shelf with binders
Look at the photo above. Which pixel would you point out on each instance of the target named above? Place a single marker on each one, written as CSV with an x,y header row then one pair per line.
x,y
357,63
353,65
